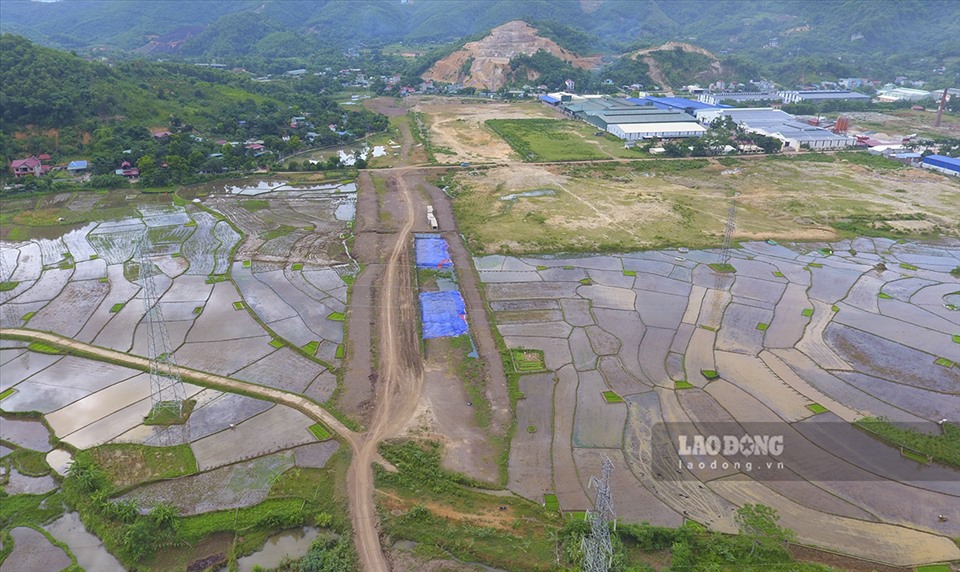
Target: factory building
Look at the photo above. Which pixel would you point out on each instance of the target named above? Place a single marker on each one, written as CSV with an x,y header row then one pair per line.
x,y
808,96
780,124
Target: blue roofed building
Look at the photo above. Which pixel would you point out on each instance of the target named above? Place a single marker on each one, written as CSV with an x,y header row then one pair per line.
x,y
942,164
690,106
549,100
77,167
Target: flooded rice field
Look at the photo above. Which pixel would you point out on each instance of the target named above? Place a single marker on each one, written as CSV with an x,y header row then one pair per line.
x,y
795,327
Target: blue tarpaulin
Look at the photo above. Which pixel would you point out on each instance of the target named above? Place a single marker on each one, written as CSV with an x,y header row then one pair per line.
x,y
443,314
431,251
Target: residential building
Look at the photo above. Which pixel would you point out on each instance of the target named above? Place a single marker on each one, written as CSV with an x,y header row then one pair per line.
x,y
77,167
29,166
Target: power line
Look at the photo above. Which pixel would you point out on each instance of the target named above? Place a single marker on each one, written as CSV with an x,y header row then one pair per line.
x,y
597,548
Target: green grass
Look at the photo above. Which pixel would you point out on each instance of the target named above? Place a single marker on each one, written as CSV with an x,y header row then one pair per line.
x,y
8,285
884,296
320,432
348,279
815,265
198,310
629,272
835,308
586,281
239,305
956,338
336,316
612,397
825,251
104,279
7,393
723,268
527,361
907,266
169,416
128,464
943,447
282,230
28,462
778,274
683,384
943,362
545,139
247,264
117,307
762,326
297,266
568,267
43,348
915,456
933,568
531,428
340,353
277,343
550,502
214,278
311,347
542,267
817,409
254,205
708,328
710,374
26,317
807,312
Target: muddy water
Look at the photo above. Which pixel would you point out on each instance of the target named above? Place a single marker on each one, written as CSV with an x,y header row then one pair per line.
x,y
90,552
294,543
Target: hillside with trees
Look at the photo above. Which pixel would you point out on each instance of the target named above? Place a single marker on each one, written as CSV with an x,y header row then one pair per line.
x,y
54,101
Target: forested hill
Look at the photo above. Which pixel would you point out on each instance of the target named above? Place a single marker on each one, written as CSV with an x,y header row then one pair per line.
x,y
44,91
866,27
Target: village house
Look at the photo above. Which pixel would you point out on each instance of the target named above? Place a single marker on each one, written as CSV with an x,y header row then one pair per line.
x,y
30,166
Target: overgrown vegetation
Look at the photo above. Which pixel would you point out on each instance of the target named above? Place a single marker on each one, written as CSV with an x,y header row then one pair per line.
x,y
943,447
544,139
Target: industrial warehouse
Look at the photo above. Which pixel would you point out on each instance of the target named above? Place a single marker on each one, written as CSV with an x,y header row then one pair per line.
x,y
638,118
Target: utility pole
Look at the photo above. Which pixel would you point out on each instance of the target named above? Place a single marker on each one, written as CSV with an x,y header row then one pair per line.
x,y
724,257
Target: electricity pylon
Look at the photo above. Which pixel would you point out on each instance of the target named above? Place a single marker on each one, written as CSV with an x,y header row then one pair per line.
x,y
597,548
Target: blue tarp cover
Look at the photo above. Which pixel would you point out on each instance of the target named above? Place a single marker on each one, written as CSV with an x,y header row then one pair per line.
x,y
443,314
431,252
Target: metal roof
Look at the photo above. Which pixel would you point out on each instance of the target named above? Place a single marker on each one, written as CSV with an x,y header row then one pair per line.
x,y
549,99
675,102
943,161
660,127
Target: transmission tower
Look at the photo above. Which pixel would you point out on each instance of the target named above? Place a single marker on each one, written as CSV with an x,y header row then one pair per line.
x,y
167,394
597,549
724,258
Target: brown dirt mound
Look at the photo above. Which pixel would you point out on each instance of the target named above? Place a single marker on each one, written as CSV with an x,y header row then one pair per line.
x,y
491,57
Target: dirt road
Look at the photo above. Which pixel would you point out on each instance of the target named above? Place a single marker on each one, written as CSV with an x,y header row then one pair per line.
x,y
400,380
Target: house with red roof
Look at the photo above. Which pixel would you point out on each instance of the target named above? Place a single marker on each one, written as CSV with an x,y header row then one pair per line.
x,y
29,166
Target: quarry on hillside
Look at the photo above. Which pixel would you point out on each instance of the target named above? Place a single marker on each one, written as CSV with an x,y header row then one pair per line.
x,y
491,57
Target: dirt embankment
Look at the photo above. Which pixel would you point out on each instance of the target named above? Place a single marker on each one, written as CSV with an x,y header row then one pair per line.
x,y
656,74
490,65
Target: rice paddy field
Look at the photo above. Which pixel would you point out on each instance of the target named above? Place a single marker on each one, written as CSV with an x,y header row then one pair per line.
x,y
646,326
206,257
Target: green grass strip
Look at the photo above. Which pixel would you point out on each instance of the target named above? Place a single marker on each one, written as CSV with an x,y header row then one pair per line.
x,y
762,327
907,266
956,338
807,312
586,281
277,343
238,305
550,502
43,348
117,307
26,317
297,266
708,328
817,409
933,568
247,263
9,285
835,308
612,397
337,316
7,393
778,274
942,361
340,353
320,432
683,384
198,310
629,272
815,265
710,374
311,347
214,278
541,267
884,296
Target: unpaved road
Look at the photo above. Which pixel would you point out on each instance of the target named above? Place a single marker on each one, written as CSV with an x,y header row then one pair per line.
x,y
400,380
